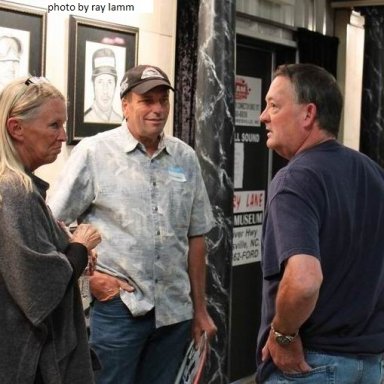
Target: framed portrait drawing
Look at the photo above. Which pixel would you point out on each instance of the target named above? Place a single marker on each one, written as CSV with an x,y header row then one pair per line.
x,y
22,41
99,55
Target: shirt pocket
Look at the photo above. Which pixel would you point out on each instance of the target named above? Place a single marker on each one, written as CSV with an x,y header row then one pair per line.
x,y
180,203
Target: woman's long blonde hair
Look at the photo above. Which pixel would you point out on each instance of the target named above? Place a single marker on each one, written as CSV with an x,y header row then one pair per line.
x,y
21,99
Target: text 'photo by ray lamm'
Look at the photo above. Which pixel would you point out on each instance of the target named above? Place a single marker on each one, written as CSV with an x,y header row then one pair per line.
x,y
108,7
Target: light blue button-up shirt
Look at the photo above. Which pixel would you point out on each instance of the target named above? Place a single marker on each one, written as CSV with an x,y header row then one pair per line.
x,y
145,208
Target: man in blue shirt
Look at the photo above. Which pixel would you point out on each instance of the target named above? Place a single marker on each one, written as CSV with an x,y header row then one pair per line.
x,y
144,191
323,244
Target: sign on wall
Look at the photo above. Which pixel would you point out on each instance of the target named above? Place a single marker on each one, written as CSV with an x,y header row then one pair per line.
x,y
248,214
250,158
248,101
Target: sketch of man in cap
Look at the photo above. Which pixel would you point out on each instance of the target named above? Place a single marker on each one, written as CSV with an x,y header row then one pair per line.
x,y
104,78
10,52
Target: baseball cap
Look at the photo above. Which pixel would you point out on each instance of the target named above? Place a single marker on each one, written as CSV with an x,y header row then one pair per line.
x,y
143,78
103,62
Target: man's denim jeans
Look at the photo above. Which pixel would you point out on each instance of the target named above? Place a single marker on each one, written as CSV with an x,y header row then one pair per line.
x,y
131,349
334,369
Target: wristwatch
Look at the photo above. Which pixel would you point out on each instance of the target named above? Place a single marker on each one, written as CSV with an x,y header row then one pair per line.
x,y
282,339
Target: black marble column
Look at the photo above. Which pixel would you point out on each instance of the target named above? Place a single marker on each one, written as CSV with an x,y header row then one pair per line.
x,y
185,70
204,118
372,120
214,144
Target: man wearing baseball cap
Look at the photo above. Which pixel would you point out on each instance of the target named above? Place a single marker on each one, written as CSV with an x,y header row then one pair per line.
x,y
104,78
145,193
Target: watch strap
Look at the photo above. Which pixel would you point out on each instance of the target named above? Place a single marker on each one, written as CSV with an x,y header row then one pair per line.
x,y
287,339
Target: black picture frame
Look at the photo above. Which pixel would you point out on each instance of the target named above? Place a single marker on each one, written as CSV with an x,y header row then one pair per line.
x,y
85,37
27,25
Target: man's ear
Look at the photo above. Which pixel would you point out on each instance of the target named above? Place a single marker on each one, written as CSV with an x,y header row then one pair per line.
x,y
124,103
15,129
311,114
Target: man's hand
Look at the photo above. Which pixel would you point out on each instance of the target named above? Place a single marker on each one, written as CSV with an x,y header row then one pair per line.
x,y
104,287
202,322
287,358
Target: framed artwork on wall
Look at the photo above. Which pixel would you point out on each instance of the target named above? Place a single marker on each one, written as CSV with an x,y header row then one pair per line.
x,y
22,41
99,55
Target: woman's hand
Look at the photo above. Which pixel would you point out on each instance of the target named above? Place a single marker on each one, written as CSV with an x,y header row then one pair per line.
x,y
92,260
87,235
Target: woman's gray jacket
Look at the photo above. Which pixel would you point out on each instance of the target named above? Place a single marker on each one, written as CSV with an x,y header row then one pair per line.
x,y
41,317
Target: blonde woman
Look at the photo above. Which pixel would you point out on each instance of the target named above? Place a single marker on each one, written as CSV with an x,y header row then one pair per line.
x,y
42,330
